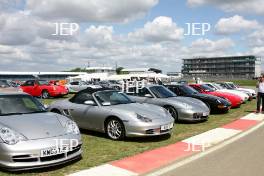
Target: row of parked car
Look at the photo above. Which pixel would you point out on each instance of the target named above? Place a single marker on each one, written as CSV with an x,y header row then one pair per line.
x,y
29,132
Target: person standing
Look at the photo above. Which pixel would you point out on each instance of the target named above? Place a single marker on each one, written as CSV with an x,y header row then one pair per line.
x,y
260,97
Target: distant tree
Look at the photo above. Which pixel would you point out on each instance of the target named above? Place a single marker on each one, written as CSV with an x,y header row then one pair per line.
x,y
78,69
118,70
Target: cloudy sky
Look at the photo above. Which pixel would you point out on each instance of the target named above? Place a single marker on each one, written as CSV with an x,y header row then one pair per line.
x,y
131,33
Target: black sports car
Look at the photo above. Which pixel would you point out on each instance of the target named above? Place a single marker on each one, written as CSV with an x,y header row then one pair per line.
x,y
216,104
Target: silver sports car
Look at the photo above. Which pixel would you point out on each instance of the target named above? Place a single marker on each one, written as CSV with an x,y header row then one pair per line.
x,y
181,108
113,113
31,137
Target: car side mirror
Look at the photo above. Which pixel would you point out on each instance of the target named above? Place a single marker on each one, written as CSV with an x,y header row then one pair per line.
x,y
89,102
148,96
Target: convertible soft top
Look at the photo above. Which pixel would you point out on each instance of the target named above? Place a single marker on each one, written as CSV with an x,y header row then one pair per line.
x,y
91,90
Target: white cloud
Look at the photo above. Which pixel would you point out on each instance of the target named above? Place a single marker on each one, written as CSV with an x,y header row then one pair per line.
x,y
235,24
256,38
259,51
20,28
10,54
205,47
242,6
161,29
100,36
92,10
16,29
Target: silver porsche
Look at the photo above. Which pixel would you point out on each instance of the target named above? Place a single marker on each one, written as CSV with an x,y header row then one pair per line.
x,y
31,137
181,108
113,113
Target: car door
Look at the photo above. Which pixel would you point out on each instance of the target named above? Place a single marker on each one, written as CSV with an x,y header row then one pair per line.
x,y
28,87
37,89
87,116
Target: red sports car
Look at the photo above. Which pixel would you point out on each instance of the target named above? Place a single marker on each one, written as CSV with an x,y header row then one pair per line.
x,y
41,88
235,100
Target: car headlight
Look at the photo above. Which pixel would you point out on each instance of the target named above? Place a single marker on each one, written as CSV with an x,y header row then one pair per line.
x,y
10,137
143,119
72,128
218,101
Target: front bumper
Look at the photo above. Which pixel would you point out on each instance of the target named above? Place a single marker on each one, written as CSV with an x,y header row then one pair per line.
x,y
221,108
236,104
192,115
141,129
57,93
26,155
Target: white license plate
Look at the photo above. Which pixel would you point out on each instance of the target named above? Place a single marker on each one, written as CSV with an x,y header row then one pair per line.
x,y
166,127
54,151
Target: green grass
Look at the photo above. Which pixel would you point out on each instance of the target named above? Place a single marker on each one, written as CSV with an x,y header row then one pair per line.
x,y
97,149
246,82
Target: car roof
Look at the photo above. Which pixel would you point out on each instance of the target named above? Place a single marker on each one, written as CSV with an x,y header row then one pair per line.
x,y
91,90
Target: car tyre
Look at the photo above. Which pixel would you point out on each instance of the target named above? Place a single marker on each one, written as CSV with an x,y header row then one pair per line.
x,y
172,112
115,129
45,94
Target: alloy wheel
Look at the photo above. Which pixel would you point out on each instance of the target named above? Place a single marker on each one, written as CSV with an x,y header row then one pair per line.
x,y
115,129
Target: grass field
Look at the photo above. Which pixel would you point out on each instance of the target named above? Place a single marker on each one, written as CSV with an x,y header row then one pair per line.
x,y
97,149
246,82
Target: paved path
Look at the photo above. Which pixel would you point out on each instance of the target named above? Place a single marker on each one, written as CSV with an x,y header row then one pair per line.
x,y
244,157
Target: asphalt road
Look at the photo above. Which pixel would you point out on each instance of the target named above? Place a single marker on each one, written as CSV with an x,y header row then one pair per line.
x,y
244,157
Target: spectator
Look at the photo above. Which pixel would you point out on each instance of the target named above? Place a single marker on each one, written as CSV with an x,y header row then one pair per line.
x,y
260,96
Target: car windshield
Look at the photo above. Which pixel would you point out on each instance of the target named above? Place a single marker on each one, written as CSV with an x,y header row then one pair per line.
x,y
232,85
162,92
112,98
218,86
19,104
4,83
207,88
43,82
188,90
212,86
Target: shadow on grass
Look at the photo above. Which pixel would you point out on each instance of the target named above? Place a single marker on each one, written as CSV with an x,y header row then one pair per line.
x,y
43,170
144,139
250,111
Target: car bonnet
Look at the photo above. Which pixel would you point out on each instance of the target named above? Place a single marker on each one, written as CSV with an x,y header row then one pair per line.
x,y
193,102
34,126
148,110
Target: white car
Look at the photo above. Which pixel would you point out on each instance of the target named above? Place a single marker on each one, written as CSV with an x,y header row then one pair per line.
x,y
231,85
77,86
219,88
